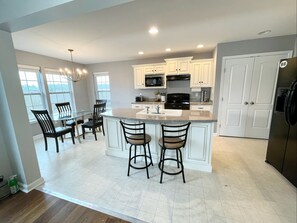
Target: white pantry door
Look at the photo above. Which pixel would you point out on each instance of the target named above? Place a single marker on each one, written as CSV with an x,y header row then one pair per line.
x,y
236,90
262,96
248,95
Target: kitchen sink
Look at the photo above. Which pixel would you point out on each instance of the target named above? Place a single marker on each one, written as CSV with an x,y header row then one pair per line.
x,y
162,112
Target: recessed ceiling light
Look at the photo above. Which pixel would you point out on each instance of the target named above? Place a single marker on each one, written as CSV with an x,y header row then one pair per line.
x,y
264,32
200,46
168,50
140,52
153,30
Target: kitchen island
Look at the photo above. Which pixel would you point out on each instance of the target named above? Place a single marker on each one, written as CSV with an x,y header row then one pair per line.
x,y
196,154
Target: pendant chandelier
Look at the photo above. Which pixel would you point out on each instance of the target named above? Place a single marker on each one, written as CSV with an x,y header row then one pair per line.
x,y
73,74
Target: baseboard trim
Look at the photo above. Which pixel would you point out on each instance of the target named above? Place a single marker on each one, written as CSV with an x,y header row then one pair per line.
x,y
39,136
29,187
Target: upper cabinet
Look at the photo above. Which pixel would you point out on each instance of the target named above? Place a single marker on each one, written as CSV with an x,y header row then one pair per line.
x,y
178,65
139,77
201,73
141,71
159,68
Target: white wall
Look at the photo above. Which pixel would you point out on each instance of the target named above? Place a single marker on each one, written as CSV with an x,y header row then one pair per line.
x,y
122,78
16,140
79,88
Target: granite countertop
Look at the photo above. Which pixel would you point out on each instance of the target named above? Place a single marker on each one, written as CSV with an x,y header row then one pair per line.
x,y
140,114
191,102
147,102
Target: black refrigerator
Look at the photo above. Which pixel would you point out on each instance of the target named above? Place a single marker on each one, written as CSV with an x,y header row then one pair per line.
x,y
282,144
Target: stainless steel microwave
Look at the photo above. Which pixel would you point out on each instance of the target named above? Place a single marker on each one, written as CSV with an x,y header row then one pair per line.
x,y
154,80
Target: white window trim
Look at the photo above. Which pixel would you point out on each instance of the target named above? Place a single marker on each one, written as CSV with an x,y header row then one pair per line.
x,y
103,73
40,83
71,91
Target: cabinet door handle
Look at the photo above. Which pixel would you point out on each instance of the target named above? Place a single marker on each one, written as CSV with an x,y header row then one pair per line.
x,y
252,103
246,103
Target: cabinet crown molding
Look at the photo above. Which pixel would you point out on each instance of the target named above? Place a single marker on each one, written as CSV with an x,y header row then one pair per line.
x,y
149,64
179,58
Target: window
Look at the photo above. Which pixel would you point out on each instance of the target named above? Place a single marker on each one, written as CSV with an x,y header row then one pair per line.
x,y
59,89
103,87
30,78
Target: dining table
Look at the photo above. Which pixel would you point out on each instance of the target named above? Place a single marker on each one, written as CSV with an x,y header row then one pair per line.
x,y
72,115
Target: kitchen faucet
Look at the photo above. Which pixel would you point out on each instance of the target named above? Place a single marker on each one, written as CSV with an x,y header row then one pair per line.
x,y
158,109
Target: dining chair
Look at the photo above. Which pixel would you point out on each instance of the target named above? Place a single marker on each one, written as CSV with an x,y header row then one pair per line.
x,y
173,138
135,136
49,130
97,120
64,108
101,101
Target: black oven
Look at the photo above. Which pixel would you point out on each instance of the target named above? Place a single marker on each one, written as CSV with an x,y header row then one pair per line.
x,y
178,101
154,81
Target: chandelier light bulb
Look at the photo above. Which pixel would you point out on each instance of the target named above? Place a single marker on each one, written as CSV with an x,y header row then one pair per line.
x,y
73,74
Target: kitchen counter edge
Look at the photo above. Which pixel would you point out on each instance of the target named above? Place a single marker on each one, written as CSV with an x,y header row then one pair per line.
x,y
187,115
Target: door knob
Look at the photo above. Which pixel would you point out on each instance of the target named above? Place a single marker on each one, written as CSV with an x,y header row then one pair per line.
x,y
252,103
246,103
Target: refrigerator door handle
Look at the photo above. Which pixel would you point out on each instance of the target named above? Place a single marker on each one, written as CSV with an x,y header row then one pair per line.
x,y
290,105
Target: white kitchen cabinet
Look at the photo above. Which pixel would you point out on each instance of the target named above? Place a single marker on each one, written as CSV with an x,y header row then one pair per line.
x,y
155,68
139,77
137,106
178,65
196,154
201,107
150,105
201,73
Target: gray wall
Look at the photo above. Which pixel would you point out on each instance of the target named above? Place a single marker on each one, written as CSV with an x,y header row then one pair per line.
x,y
16,142
81,99
281,43
122,78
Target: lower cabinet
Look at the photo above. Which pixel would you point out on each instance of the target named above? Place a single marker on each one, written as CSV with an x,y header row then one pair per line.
x,y
198,146
201,107
143,106
196,154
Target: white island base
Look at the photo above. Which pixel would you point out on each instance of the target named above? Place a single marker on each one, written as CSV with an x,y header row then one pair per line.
x,y
196,154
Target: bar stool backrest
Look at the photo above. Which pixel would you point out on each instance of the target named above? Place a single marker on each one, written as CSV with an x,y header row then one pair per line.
x,y
174,136
134,132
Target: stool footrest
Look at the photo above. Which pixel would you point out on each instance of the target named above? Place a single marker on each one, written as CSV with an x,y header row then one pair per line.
x,y
171,173
143,167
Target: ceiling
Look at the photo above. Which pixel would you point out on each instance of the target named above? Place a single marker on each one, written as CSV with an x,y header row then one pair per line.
x,y
119,32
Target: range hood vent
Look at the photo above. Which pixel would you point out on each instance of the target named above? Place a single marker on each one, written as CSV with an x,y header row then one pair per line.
x,y
178,77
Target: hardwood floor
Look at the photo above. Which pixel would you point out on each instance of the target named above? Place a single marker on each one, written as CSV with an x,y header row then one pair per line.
x,y
37,206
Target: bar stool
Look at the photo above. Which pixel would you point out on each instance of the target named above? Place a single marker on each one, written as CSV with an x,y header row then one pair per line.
x,y
135,136
174,137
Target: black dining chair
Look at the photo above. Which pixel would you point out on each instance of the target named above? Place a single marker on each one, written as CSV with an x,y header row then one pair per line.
x,y
101,101
174,138
64,108
97,120
48,128
135,136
